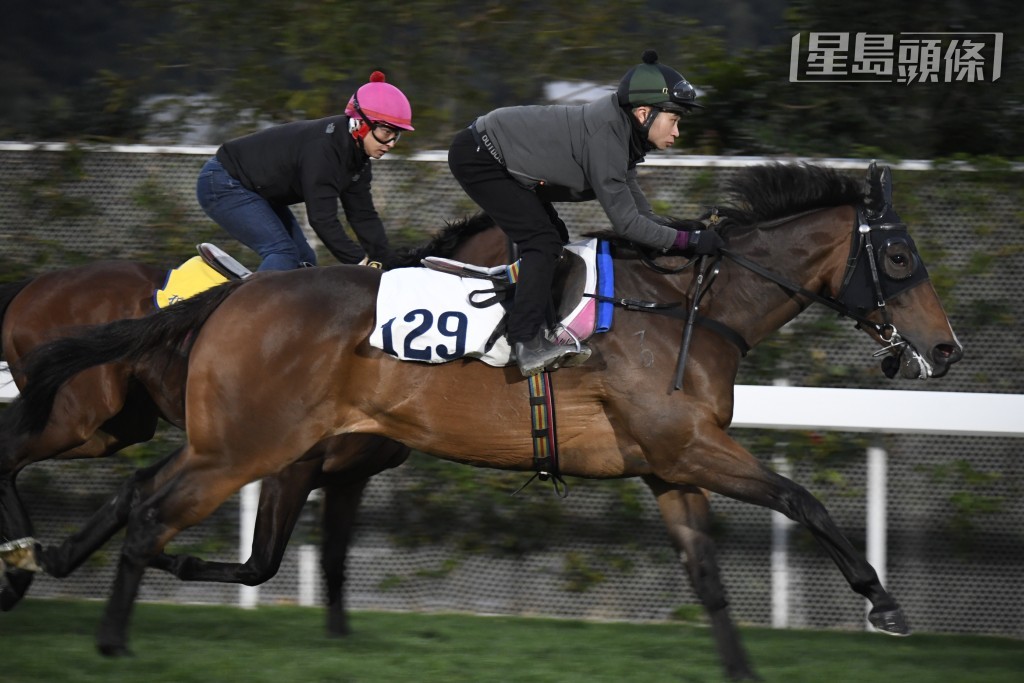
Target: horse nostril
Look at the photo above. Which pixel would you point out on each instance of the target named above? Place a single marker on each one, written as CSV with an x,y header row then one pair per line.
x,y
947,353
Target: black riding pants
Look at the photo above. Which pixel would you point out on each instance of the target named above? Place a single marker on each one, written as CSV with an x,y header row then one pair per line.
x,y
528,220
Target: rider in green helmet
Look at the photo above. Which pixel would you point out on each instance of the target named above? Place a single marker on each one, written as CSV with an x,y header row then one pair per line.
x,y
515,161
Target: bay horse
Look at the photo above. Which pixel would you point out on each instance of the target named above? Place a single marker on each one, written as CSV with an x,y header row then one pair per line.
x,y
115,408
804,234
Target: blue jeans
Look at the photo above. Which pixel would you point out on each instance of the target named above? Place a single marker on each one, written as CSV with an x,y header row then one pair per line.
x,y
268,229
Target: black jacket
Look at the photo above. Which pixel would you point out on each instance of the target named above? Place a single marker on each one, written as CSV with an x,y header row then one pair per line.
x,y
316,162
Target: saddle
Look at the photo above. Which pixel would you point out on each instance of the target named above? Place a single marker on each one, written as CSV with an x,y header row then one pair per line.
x,y
213,266
222,262
575,276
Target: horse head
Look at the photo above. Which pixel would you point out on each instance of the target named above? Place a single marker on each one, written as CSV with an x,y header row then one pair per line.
x,y
868,269
887,283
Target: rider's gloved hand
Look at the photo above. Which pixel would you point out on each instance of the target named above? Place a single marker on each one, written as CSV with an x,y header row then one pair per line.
x,y
700,242
373,264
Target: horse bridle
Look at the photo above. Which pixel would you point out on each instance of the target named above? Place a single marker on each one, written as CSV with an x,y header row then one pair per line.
x,y
863,289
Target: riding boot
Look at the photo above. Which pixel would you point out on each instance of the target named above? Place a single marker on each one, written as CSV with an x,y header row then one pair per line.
x,y
541,354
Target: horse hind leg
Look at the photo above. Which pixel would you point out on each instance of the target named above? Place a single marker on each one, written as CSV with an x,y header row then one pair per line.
x,y
188,495
15,526
281,500
687,516
60,561
15,523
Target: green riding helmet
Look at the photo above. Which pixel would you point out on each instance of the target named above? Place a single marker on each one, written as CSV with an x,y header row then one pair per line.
x,y
656,85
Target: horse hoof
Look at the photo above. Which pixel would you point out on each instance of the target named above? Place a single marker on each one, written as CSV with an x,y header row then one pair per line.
x,y
19,554
891,622
13,585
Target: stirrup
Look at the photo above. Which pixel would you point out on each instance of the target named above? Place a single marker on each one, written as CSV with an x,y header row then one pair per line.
x,y
581,353
562,355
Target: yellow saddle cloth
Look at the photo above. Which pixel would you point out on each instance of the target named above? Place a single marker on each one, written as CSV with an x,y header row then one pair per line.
x,y
188,279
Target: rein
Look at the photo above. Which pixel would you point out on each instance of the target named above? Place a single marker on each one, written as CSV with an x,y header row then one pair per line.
x,y
860,243
834,304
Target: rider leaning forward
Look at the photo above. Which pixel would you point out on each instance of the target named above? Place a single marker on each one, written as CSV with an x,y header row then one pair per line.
x,y
515,161
248,186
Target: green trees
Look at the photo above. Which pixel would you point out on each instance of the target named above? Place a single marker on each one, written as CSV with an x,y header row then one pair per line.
x,y
82,71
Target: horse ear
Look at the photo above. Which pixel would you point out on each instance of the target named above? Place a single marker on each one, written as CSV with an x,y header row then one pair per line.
x,y
885,180
874,196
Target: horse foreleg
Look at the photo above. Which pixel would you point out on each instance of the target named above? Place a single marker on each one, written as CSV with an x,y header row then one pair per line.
x,y
719,464
687,516
351,461
342,496
281,500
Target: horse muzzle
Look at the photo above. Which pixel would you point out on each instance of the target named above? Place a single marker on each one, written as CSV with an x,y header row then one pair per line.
x,y
912,364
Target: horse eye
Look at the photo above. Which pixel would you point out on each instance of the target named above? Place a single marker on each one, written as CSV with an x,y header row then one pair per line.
x,y
897,260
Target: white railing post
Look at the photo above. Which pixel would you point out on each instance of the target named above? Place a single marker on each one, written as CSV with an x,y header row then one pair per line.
x,y
780,555
308,559
248,596
877,514
780,543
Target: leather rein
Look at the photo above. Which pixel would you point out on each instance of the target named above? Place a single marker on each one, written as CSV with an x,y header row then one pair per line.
x,y
707,271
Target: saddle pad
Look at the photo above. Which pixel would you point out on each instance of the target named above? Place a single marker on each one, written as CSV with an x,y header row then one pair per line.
x,y
426,315
188,279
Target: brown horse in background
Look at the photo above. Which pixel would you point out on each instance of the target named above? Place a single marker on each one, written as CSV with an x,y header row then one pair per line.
x,y
116,406
806,236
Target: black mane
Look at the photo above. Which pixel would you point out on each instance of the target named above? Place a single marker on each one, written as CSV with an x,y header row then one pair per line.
x,y
762,193
445,243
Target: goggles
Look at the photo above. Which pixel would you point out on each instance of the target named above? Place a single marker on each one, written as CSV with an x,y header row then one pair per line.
x,y
679,98
381,132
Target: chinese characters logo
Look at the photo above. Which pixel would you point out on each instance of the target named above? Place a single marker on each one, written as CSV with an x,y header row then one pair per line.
x,y
896,58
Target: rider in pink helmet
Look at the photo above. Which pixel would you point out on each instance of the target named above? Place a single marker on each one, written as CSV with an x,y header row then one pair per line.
x,y
251,183
378,104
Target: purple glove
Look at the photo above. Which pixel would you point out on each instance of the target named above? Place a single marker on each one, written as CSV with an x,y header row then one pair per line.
x,y
702,242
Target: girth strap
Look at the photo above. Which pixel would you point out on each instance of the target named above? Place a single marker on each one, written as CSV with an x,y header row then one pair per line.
x,y
544,434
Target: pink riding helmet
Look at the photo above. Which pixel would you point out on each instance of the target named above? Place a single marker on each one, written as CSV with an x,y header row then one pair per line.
x,y
380,102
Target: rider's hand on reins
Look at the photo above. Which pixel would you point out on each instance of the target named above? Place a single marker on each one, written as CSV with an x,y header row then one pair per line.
x,y
699,242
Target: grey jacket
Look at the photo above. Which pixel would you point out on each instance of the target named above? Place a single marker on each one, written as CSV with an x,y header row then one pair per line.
x,y
584,150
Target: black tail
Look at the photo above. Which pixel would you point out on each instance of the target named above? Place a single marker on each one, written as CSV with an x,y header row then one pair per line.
x,y
7,293
49,366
